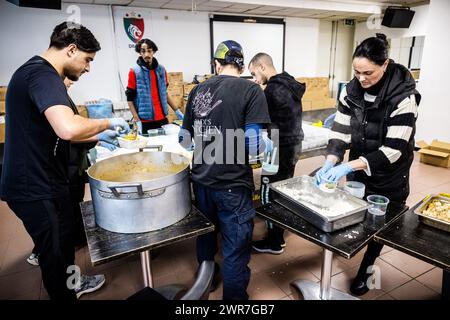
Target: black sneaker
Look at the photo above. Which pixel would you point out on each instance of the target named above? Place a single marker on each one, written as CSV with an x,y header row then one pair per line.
x,y
264,246
359,286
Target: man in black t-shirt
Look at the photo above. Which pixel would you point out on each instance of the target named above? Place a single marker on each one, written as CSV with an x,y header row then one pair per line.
x,y
39,127
223,115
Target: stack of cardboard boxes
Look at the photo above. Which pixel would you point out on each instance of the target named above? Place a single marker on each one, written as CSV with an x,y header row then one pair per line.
x,y
176,92
179,91
2,113
317,95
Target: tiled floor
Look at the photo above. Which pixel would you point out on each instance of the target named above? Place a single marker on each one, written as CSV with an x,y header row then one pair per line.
x,y
402,276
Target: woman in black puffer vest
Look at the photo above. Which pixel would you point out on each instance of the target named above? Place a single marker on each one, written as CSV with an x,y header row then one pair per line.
x,y
376,118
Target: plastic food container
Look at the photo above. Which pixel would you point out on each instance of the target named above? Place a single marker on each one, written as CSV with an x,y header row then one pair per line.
x,y
155,132
139,142
171,129
355,188
378,204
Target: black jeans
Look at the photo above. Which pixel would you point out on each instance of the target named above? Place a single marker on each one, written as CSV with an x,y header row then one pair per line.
x,y
50,225
288,158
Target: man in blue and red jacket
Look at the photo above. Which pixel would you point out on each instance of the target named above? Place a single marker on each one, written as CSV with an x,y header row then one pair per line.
x,y
147,89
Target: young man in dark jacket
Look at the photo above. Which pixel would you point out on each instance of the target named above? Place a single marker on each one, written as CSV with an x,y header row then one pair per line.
x,y
284,98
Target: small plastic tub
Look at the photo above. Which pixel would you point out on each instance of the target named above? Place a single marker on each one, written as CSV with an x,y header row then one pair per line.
x,y
378,204
355,188
139,142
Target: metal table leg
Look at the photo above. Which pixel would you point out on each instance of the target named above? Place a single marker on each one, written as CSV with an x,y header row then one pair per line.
x,y
146,269
314,291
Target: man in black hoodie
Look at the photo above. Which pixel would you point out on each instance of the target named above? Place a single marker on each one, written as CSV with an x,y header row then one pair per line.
x,y
284,98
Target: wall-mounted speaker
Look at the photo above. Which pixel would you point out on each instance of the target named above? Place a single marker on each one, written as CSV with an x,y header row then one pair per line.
x,y
44,4
397,17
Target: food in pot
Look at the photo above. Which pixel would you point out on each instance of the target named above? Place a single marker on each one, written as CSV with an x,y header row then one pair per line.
x,y
439,210
132,171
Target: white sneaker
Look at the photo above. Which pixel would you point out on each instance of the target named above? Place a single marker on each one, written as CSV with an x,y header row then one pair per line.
x,y
90,284
33,259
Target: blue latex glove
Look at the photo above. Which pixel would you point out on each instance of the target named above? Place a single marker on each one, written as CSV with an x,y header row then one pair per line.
x,y
179,114
336,173
109,136
119,122
107,145
139,125
269,144
319,174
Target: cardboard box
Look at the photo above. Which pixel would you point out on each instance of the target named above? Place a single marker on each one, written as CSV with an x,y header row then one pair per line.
x,y
319,104
2,107
175,89
178,99
306,105
415,74
174,77
436,154
316,95
2,93
2,129
188,88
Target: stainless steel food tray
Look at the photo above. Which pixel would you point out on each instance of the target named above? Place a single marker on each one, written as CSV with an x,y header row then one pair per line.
x,y
433,222
305,185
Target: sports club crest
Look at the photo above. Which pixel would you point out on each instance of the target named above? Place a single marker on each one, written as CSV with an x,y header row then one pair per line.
x,y
134,26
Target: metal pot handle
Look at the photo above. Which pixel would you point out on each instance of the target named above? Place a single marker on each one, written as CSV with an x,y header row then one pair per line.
x,y
141,193
138,186
159,147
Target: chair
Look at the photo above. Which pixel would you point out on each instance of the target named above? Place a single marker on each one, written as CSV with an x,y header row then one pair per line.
x,y
199,290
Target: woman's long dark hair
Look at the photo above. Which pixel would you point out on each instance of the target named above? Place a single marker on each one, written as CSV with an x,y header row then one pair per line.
x,y
375,49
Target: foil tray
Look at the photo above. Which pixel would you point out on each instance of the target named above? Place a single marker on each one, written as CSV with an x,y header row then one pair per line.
x,y
327,211
431,221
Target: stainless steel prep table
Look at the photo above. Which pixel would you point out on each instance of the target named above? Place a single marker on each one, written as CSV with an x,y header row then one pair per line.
x,y
105,246
407,234
345,242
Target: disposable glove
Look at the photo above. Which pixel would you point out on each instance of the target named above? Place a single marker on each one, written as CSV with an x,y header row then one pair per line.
x,y
336,173
107,145
119,122
319,174
139,125
109,136
268,142
179,114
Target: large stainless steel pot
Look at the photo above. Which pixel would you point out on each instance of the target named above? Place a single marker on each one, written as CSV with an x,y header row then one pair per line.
x,y
140,192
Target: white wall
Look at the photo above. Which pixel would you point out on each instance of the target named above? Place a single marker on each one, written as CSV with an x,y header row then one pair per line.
x,y
434,115
25,32
343,60
182,37
302,41
324,49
